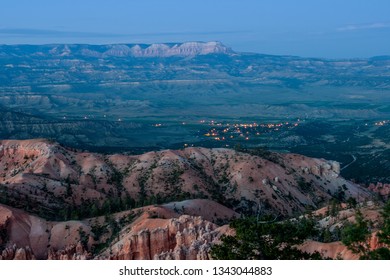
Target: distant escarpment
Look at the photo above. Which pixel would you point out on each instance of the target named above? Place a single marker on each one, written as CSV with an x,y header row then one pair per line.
x,y
124,50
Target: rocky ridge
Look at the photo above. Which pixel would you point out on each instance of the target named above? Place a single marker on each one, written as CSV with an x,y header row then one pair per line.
x,y
51,178
183,238
181,200
158,232
167,50
186,49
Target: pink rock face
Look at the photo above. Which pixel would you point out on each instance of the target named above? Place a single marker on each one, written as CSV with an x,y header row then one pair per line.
x,y
31,237
184,238
337,250
15,253
334,250
45,174
158,232
70,252
382,189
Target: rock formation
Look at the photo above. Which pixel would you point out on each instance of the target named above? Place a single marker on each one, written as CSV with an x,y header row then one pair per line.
x,y
27,237
380,188
183,238
54,182
337,250
143,50
50,178
15,253
70,252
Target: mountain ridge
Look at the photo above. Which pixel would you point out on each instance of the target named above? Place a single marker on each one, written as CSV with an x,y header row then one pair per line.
x,y
61,203
163,49
57,179
191,48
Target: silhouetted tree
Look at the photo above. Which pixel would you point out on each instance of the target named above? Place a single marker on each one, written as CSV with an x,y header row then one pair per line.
x,y
357,237
266,240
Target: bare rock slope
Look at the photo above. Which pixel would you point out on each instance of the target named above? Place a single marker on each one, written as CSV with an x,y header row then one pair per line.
x,y
61,203
152,232
55,181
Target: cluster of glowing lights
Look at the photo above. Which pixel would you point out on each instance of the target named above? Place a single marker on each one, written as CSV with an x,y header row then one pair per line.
x,y
381,123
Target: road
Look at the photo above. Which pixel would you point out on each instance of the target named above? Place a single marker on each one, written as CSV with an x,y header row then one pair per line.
x,y
354,158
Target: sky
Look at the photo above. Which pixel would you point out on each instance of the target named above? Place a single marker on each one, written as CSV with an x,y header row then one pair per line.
x,y
310,28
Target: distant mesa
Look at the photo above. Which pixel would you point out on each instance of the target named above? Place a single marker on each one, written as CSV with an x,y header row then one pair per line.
x,y
135,50
167,50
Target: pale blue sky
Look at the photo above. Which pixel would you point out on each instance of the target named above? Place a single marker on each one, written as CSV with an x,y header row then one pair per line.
x,y
317,28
